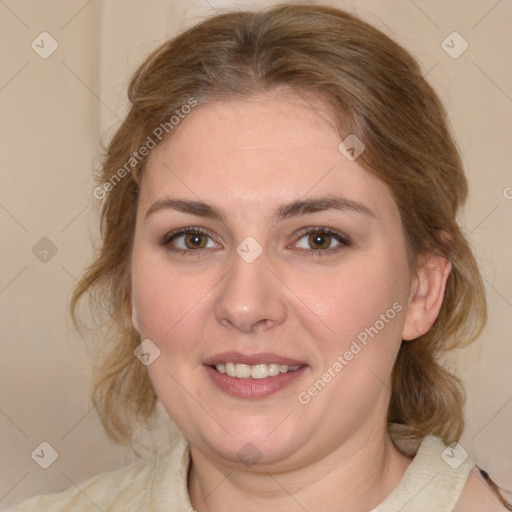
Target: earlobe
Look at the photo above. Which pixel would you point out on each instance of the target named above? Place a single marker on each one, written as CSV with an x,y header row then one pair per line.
x,y
427,294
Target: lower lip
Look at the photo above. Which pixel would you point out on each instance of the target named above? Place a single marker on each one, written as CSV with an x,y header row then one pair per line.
x,y
253,389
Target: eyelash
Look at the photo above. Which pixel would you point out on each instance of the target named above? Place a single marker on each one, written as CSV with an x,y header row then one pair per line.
x,y
317,253
166,240
344,241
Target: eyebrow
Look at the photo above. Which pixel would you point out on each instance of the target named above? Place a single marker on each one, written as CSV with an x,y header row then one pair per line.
x,y
293,209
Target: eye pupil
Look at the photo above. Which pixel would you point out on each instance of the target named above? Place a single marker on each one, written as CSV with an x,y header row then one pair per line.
x,y
319,241
195,241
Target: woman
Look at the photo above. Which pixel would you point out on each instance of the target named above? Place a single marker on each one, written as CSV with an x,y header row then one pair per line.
x,y
283,270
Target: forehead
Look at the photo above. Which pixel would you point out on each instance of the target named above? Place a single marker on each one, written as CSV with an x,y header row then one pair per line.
x,y
258,153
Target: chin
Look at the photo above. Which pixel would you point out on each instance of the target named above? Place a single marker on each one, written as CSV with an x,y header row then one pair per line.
x,y
252,442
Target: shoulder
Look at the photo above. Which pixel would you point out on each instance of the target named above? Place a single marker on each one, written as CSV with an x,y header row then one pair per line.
x,y
478,496
125,489
441,478
103,491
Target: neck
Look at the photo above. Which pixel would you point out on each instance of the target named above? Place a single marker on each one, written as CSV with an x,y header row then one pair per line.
x,y
358,475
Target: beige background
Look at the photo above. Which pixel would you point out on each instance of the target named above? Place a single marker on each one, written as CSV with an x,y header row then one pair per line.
x,y
55,112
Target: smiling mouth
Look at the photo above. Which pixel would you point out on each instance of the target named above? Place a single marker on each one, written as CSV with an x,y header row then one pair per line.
x,y
254,371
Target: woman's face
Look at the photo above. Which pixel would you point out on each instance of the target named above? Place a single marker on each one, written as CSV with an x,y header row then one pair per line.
x,y
294,255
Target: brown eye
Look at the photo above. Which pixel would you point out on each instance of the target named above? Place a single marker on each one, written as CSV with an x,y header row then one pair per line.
x,y
195,240
188,240
319,240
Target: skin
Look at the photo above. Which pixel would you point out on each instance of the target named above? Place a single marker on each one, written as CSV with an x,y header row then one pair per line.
x,y
248,158
478,497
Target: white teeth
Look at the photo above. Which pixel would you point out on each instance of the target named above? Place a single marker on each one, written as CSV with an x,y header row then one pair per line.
x,y
254,371
243,371
259,371
273,369
230,369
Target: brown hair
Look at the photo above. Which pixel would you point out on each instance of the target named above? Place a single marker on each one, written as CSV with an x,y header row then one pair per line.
x,y
377,92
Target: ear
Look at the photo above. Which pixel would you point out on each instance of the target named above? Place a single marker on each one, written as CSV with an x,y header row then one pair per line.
x,y
426,295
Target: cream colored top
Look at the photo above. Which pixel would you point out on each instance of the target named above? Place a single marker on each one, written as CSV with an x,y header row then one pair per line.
x,y
159,484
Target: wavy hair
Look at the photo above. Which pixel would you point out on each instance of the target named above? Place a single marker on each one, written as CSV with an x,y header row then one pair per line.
x,y
376,90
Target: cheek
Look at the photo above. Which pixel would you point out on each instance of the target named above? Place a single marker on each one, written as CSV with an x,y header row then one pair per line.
x,y
353,297
168,309
364,309
163,300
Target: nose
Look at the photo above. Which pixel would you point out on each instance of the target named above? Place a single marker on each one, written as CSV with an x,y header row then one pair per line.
x,y
251,297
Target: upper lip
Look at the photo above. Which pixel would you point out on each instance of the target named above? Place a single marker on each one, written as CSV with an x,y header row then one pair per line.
x,y
238,357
